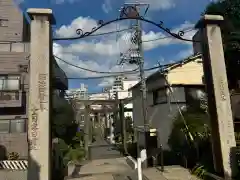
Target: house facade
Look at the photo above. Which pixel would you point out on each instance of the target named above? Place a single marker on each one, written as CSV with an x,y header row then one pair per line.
x,y
14,78
167,94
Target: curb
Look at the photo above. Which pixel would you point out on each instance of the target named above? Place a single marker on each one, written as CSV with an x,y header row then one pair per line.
x,y
131,162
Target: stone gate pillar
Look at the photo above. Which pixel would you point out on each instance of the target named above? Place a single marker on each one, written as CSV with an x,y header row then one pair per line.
x,y
39,138
223,138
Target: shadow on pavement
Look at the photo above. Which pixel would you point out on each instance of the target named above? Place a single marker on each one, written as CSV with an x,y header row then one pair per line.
x,y
76,173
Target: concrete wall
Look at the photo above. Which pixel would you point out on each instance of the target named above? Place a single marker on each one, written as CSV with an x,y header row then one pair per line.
x,y
15,26
13,175
15,142
10,62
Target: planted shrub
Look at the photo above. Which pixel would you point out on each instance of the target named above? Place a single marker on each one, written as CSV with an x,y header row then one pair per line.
x,y
13,156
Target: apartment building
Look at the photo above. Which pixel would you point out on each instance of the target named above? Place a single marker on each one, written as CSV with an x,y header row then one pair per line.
x,y
79,93
14,79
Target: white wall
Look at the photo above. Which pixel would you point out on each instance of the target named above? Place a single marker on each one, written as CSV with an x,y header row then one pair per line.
x,y
125,93
128,84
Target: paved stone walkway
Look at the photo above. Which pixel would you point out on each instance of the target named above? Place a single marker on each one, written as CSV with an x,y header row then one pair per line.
x,y
100,149
107,164
112,169
170,173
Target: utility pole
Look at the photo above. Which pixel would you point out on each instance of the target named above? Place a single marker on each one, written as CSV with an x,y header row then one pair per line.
x,y
142,76
132,10
86,131
123,126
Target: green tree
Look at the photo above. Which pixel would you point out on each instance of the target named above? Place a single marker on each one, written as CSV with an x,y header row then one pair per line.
x,y
230,10
63,121
65,128
190,137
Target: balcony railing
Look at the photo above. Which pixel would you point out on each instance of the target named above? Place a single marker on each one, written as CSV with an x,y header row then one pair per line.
x,y
10,98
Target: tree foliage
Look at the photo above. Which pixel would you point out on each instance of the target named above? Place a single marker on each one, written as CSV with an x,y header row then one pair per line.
x,y
63,122
230,10
197,124
65,128
192,149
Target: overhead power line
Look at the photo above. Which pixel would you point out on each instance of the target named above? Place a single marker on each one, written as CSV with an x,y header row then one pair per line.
x,y
94,71
110,32
115,75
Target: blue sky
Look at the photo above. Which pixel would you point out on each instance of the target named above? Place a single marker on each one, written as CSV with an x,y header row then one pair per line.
x,y
101,53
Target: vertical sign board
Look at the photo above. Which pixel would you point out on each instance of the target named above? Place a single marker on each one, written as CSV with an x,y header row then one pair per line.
x,y
39,96
218,95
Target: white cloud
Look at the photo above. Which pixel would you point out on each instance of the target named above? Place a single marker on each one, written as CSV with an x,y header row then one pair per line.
x,y
102,53
106,64
156,4
110,45
166,39
106,82
86,24
107,6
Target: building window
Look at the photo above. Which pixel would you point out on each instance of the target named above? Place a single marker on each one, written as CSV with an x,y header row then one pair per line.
x,y
17,47
4,126
82,118
177,95
159,96
17,126
13,126
9,87
9,83
5,47
9,95
3,22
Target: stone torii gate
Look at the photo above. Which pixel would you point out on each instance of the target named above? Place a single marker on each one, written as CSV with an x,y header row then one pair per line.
x,y
105,110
